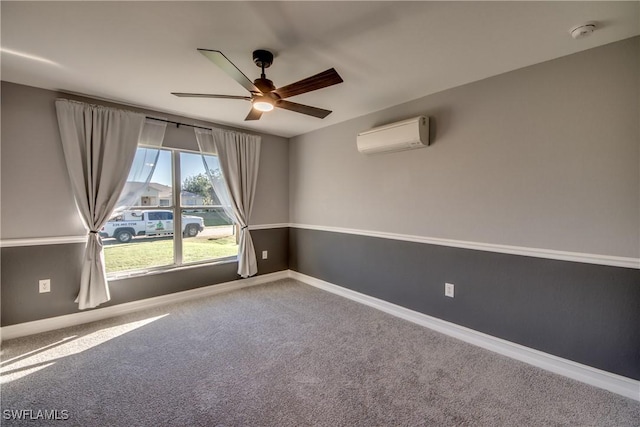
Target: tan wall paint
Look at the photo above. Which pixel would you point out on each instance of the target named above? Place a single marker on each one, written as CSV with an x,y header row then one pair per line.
x,y
547,156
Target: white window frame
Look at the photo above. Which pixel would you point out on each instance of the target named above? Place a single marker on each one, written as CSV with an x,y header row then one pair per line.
x,y
177,209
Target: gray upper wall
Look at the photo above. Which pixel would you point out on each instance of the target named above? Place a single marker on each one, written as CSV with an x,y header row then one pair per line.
x,y
547,156
36,194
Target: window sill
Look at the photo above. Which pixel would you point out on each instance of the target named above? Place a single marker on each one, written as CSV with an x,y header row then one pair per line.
x,y
114,277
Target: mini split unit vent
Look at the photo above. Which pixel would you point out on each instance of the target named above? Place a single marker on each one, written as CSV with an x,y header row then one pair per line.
x,y
404,135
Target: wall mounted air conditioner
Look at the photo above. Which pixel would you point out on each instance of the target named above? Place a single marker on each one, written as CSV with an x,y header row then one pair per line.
x,y
404,135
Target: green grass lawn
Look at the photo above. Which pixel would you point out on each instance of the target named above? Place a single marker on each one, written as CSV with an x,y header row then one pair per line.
x,y
144,253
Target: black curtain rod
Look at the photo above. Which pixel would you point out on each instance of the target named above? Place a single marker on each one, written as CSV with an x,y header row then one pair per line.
x,y
178,124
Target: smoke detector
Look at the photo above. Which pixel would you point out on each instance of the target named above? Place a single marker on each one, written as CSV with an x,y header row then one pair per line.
x,y
583,30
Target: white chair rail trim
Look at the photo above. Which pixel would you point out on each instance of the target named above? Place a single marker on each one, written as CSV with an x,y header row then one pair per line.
x,y
614,261
58,240
37,241
587,258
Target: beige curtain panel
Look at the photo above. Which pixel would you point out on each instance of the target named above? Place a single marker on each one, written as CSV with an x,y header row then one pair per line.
x,y
239,158
99,146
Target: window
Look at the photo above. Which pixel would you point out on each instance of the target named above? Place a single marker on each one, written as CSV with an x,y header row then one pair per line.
x,y
143,238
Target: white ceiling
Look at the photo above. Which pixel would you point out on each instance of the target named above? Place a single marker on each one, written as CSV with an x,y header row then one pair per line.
x,y
387,52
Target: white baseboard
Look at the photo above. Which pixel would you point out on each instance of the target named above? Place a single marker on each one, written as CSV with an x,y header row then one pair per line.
x,y
612,382
59,322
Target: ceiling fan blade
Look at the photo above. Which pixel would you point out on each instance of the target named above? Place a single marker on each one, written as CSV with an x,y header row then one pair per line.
x,y
304,109
253,115
228,67
319,81
209,95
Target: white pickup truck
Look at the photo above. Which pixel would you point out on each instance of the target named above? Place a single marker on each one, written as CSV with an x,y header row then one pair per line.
x,y
149,223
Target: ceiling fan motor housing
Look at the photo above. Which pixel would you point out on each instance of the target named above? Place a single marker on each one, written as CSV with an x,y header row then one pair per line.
x,y
265,85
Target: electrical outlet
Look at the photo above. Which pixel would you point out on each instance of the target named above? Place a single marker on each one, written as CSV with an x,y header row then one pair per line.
x,y
265,254
448,290
44,285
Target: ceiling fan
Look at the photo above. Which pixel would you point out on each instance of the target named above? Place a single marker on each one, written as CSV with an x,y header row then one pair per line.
x,y
264,95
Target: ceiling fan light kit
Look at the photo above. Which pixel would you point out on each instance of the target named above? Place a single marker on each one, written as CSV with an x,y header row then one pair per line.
x,y
263,104
264,94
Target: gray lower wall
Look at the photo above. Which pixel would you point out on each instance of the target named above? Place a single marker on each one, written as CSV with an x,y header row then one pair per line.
x,y
582,312
22,267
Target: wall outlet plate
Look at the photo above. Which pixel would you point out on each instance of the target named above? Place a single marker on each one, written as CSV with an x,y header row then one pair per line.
x,y
448,289
44,285
265,254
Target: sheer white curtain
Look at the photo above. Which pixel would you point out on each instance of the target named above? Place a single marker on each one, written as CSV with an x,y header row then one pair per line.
x,y
239,157
99,145
143,166
212,167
